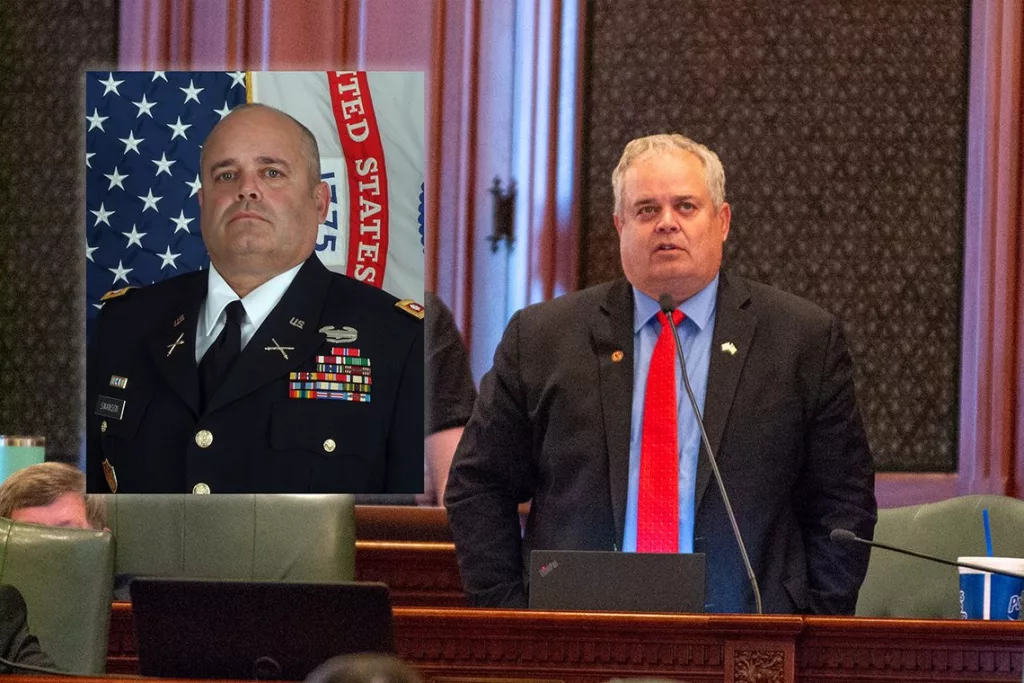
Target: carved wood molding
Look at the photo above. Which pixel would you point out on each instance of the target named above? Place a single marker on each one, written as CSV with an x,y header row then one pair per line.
x,y
911,649
521,646
761,662
921,660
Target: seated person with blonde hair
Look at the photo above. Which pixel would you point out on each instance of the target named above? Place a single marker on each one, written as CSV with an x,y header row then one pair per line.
x,y
51,493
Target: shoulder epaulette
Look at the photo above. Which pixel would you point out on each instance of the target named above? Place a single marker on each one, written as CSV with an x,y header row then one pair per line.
x,y
116,293
411,307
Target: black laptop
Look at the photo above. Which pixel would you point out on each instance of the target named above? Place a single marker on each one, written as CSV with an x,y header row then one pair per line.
x,y
607,581
253,630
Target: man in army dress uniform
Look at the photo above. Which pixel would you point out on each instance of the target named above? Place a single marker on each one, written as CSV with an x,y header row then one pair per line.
x,y
267,373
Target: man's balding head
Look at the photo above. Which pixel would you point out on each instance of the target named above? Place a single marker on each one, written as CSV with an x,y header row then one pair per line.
x,y
262,200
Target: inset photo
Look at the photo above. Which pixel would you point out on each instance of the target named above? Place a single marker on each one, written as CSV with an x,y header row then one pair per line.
x,y
254,282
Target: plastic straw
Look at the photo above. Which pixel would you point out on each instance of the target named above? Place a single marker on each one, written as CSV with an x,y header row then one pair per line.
x,y
988,532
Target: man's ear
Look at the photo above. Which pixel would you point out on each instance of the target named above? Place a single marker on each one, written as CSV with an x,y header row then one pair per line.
x,y
322,194
725,218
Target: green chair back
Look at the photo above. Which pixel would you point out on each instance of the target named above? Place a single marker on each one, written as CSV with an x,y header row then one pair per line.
x,y
65,576
254,537
901,586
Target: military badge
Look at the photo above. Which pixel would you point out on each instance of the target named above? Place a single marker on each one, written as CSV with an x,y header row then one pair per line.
x,y
180,341
346,335
110,475
277,347
344,375
115,293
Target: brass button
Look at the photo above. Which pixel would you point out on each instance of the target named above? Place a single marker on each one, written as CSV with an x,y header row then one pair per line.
x,y
204,438
201,489
103,426
329,445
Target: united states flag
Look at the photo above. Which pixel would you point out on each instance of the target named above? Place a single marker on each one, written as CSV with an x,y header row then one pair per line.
x,y
143,135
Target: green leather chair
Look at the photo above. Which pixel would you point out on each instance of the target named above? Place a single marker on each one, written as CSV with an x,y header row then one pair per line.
x,y
255,537
901,586
65,576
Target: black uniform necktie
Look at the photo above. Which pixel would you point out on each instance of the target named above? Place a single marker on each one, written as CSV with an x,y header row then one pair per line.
x,y
219,358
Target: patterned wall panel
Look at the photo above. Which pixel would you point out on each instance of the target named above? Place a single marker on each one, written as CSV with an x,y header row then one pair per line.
x,y
47,44
841,125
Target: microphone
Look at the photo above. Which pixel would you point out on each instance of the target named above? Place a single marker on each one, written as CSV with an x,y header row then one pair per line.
x,y
665,301
847,536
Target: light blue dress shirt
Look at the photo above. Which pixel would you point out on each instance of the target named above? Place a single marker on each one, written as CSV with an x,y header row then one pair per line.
x,y
695,332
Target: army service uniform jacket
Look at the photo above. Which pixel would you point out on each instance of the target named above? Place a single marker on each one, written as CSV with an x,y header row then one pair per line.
x,y
327,396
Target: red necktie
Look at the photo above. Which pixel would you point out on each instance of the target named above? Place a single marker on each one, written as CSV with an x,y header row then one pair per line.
x,y
657,528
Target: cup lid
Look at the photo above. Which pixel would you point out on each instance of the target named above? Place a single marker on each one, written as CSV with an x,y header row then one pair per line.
x,y
30,441
1013,564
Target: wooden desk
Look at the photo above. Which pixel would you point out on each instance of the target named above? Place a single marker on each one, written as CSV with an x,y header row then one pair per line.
x,y
464,645
419,574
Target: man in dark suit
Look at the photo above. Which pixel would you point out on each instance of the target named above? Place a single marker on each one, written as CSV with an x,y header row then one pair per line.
x,y
575,415
267,373
17,644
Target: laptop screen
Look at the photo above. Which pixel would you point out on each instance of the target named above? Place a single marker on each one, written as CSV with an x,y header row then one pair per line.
x,y
255,630
616,581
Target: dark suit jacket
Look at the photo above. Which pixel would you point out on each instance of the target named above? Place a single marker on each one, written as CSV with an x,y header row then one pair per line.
x,y
264,441
552,424
16,643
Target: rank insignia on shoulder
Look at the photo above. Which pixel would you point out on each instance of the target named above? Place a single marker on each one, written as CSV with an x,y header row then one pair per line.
x,y
411,307
113,294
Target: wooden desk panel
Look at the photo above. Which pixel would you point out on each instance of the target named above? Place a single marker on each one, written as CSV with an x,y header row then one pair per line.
x,y
419,574
464,645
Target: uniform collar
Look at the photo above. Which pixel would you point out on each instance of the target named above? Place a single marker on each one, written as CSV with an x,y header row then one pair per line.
x,y
258,303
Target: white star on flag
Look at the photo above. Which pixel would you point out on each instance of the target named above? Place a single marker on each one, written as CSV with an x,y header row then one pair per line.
x,y
195,185
191,92
181,222
96,121
110,85
115,179
88,157
237,78
120,273
159,74
102,216
88,252
131,143
179,128
134,237
223,111
163,165
144,107
150,201
168,259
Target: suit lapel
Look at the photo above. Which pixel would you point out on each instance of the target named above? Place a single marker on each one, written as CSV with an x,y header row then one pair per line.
x,y
279,346
734,330
173,347
612,333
